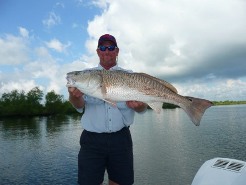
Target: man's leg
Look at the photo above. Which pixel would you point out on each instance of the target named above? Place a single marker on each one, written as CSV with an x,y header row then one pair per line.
x,y
91,159
120,161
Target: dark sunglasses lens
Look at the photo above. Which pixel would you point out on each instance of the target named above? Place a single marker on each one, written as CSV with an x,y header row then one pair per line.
x,y
102,48
111,48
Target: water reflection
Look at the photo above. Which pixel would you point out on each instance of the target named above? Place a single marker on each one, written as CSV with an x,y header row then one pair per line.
x,y
171,150
168,148
34,127
15,128
40,150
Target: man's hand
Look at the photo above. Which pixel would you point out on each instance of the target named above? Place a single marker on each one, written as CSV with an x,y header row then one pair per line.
x,y
137,106
76,97
74,92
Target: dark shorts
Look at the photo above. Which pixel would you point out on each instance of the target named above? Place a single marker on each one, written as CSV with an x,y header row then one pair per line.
x,y
106,151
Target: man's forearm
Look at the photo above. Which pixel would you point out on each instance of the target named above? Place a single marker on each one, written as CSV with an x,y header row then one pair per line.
x,y
77,102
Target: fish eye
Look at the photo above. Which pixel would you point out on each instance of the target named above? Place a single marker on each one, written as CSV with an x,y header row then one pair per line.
x,y
76,72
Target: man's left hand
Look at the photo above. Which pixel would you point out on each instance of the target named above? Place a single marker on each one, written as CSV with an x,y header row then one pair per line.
x,y
137,105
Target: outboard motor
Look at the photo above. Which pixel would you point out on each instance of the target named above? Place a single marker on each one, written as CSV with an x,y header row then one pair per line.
x,y
221,171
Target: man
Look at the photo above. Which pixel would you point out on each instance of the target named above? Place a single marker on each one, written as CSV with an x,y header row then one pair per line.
x,y
106,141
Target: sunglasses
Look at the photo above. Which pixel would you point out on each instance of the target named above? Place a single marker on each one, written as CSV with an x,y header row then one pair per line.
x,y
110,48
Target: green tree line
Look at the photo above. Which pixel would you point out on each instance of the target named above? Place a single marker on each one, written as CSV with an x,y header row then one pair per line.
x,y
229,102
20,103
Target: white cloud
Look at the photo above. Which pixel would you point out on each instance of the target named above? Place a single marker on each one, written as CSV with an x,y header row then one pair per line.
x,y
200,47
57,45
20,85
156,36
24,32
59,4
101,3
42,71
217,89
14,50
180,41
52,20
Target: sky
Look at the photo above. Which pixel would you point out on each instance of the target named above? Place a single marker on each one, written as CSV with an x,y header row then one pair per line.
x,y
199,46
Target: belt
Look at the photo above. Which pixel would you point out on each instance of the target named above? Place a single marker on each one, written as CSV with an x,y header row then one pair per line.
x,y
123,129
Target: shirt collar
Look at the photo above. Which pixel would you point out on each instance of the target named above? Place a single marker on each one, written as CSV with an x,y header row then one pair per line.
x,y
112,68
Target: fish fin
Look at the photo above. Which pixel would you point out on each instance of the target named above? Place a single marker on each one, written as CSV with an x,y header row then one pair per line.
x,y
163,82
156,106
196,109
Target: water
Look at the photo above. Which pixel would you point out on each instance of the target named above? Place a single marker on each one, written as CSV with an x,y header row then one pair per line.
x,y
168,148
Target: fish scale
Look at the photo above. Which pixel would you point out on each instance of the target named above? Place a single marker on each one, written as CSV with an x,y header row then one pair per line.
x,y
135,81
127,87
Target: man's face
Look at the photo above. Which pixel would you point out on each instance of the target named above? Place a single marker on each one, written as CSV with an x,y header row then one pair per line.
x,y
108,58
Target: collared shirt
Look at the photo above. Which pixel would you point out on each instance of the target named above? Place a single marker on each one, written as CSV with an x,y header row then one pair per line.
x,y
102,117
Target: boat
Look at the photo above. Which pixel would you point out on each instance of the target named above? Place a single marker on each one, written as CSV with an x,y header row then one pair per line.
x,y
221,171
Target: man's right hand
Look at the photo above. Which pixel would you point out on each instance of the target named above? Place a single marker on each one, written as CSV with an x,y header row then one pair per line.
x,y
74,92
76,97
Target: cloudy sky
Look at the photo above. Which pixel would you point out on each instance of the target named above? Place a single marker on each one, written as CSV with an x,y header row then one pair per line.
x,y
197,45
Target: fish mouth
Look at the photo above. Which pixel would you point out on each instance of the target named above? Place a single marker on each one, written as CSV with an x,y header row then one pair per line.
x,y
70,82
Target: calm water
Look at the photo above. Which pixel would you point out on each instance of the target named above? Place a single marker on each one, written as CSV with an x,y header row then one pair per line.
x,y
168,148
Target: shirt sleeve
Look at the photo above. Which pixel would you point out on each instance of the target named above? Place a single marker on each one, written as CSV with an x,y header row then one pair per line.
x,y
122,105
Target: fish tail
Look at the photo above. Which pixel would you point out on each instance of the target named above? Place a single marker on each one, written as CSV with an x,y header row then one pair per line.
x,y
196,109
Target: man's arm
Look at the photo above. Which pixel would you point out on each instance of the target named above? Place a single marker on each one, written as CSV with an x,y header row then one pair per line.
x,y
137,106
76,97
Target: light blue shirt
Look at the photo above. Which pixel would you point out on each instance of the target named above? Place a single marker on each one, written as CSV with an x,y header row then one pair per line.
x,y
102,117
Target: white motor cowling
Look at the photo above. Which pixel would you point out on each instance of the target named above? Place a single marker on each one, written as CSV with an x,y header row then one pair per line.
x,y
221,171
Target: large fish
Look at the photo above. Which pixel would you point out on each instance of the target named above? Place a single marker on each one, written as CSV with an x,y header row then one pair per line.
x,y
113,86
